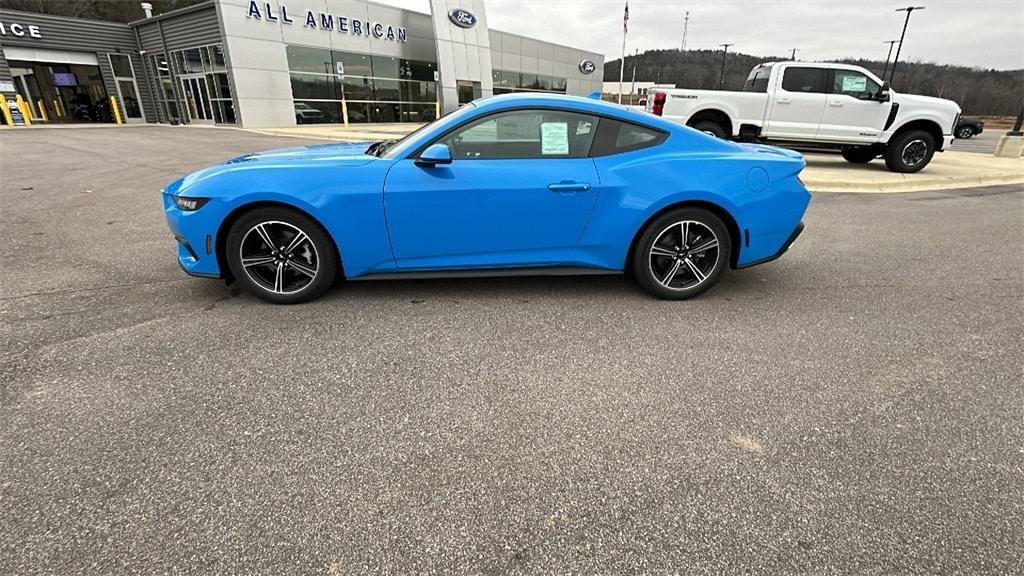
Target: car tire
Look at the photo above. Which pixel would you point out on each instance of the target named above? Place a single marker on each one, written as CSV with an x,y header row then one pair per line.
x,y
964,132
674,271
711,128
909,151
860,155
281,255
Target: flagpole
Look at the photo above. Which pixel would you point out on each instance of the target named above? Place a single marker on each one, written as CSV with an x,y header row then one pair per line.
x,y
622,64
632,84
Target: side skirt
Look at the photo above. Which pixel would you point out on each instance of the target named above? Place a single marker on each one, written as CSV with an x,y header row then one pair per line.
x,y
491,273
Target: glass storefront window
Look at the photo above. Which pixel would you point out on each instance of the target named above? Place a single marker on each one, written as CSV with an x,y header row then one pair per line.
x,y
192,85
193,61
375,88
506,82
384,67
312,112
302,59
358,88
386,90
314,87
353,64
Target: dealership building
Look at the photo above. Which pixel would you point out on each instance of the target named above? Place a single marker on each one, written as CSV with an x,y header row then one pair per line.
x,y
270,64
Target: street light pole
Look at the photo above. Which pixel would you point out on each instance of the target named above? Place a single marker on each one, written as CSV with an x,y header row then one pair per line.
x,y
721,74
888,56
908,10
793,55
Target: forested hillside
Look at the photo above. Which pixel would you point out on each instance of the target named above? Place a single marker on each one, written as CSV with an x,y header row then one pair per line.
x,y
983,92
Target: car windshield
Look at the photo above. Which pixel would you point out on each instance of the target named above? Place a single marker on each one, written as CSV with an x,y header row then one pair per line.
x,y
398,147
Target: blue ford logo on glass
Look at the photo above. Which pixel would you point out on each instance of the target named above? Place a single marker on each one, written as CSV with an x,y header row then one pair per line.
x,y
587,66
462,18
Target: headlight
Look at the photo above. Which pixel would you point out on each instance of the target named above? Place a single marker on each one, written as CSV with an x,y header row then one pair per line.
x,y
190,204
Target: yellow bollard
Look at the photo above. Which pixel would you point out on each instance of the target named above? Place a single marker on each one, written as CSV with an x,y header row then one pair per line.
x,y
437,109
116,109
8,119
57,110
25,110
42,111
344,112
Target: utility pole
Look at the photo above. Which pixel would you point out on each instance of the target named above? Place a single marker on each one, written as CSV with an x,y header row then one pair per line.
x,y
908,10
888,56
793,55
721,75
686,28
632,86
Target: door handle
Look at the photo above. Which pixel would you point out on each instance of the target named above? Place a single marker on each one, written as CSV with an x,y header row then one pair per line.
x,y
782,100
568,186
835,103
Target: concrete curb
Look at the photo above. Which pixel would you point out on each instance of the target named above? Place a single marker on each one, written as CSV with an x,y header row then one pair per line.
x,y
916,185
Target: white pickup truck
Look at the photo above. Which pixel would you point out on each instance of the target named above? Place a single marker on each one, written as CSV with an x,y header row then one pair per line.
x,y
819,105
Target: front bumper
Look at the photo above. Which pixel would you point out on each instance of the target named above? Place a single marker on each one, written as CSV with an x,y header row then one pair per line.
x,y
196,234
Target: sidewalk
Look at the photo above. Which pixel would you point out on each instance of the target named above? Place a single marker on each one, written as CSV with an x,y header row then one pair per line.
x,y
825,172
947,170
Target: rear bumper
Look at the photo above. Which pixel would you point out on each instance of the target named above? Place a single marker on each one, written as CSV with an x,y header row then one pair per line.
x,y
785,246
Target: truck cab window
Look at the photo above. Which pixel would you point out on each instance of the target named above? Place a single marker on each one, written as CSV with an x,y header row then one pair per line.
x,y
855,84
758,80
801,79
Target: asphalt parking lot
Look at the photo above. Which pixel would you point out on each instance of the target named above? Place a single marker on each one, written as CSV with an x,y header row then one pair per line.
x,y
853,408
984,143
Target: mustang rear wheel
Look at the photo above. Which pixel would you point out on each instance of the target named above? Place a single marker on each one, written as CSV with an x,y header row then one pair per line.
x,y
281,256
681,254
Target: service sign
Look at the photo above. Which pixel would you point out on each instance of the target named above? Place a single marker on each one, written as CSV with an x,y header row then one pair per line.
x,y
462,18
18,30
587,66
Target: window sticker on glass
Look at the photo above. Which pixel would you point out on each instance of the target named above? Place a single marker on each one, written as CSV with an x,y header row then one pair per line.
x,y
855,83
554,138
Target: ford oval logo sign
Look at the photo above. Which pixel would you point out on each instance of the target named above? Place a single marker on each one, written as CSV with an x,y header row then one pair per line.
x,y
462,18
587,66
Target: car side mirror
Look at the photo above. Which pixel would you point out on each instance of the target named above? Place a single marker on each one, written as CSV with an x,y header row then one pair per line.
x,y
435,154
883,94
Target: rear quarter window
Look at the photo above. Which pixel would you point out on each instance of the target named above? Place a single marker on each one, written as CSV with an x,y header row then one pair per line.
x,y
616,137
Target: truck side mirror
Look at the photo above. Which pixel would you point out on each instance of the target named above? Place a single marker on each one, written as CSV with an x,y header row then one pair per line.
x,y
883,94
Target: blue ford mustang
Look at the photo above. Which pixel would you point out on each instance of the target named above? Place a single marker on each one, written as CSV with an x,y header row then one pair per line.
x,y
513,184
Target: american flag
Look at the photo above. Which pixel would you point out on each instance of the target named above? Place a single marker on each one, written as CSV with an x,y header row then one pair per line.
x,y
625,19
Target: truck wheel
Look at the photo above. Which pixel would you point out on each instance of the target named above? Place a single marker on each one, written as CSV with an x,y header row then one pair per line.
x,y
861,155
712,128
909,152
964,132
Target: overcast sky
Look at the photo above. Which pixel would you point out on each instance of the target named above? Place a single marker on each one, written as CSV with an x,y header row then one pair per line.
x,y
986,34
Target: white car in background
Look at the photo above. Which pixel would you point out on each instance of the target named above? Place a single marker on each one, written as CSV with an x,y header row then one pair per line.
x,y
819,105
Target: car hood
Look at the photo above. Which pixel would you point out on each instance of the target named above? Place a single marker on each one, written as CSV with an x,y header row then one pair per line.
x,y
344,154
340,155
927,101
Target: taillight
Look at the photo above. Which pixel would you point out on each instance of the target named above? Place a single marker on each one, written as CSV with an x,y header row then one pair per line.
x,y
659,103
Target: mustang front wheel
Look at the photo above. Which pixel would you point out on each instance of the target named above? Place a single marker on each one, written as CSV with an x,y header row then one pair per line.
x,y
281,256
681,254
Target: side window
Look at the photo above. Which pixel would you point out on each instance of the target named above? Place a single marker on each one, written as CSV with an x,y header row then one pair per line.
x,y
856,84
615,137
758,81
524,134
810,80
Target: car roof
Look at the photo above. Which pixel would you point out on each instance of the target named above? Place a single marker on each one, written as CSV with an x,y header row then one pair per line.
x,y
591,105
